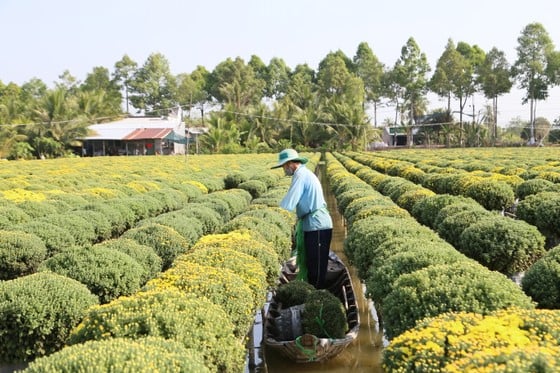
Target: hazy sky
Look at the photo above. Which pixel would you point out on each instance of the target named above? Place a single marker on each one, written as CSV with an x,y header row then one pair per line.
x,y
41,38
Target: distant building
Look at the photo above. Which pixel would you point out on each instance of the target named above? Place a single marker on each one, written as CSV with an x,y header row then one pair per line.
x,y
137,136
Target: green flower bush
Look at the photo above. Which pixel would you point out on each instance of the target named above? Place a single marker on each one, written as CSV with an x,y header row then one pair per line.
x,y
37,209
81,229
107,273
190,319
170,199
37,313
219,205
14,215
245,242
324,315
508,340
542,280
244,265
453,225
210,218
501,244
119,219
408,199
534,186
256,187
543,211
460,286
364,236
233,179
189,227
279,237
101,224
492,194
145,256
165,241
56,239
142,355
371,202
416,256
221,286
20,254
427,209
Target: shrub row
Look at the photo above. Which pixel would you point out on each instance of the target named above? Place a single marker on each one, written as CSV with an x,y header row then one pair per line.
x,y
423,275
499,243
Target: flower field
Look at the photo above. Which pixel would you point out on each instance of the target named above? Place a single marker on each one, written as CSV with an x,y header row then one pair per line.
x,y
140,262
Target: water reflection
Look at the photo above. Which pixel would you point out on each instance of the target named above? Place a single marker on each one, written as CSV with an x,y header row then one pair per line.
x,y
362,355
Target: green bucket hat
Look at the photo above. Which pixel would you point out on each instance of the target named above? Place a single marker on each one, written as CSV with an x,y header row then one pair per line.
x,y
287,155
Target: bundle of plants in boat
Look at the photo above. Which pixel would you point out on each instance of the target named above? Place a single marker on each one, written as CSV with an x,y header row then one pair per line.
x,y
322,313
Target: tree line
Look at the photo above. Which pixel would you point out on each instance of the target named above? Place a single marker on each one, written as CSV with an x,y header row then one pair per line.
x,y
254,106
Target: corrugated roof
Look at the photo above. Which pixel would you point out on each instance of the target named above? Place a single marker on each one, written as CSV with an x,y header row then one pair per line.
x,y
148,133
127,127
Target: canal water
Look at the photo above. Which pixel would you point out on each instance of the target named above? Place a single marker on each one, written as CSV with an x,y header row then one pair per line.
x,y
362,355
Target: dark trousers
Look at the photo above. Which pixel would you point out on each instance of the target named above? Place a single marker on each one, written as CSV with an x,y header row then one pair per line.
x,y
317,246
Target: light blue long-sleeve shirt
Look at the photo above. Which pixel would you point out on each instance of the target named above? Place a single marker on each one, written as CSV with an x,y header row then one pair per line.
x,y
305,195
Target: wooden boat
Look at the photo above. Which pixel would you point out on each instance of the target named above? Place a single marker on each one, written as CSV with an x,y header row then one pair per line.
x,y
309,348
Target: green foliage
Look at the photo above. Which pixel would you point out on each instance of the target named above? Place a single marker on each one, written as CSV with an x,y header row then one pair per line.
x,y
144,255
81,229
502,244
221,286
219,205
189,227
365,236
245,242
119,219
542,280
256,187
165,241
426,210
210,218
233,179
324,315
189,319
170,199
408,199
101,224
460,286
534,186
293,293
453,225
244,265
492,194
543,211
279,237
107,273
365,203
14,215
417,255
20,254
140,355
56,239
37,313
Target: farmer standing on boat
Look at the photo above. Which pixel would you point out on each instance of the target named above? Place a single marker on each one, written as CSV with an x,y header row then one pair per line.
x,y
314,226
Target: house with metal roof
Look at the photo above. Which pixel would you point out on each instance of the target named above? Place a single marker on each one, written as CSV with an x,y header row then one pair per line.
x,y
137,136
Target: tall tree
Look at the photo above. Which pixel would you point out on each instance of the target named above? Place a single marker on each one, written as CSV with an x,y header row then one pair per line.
x,y
495,80
98,83
153,88
535,53
410,73
123,74
234,82
277,79
370,70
